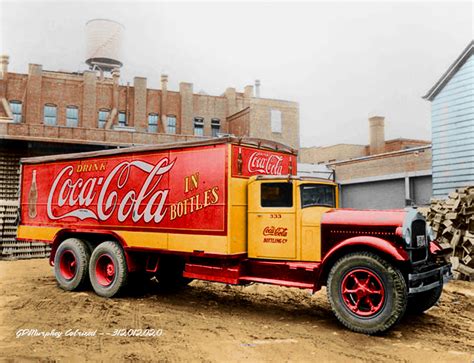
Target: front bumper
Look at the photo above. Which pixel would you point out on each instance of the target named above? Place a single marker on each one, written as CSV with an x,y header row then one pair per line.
x,y
428,278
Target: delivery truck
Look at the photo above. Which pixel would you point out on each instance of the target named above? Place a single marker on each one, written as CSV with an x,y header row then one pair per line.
x,y
229,210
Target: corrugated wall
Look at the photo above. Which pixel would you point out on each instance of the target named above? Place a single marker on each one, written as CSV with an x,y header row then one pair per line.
x,y
385,194
453,132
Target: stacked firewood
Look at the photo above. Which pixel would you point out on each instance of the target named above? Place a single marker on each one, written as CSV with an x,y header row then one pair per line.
x,y
452,220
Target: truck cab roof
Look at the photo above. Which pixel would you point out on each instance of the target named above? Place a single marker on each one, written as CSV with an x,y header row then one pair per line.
x,y
291,178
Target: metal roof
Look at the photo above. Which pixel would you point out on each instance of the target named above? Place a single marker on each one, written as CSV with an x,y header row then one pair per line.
x,y
467,52
244,141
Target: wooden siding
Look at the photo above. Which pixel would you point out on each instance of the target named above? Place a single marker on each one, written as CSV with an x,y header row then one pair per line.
x,y
452,113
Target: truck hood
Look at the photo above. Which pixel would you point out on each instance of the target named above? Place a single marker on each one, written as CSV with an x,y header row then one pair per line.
x,y
367,217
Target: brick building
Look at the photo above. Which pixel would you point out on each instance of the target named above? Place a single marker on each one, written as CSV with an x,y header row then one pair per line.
x,y
45,112
383,174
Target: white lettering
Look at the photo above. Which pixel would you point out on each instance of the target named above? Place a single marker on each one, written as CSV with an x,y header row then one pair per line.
x,y
82,193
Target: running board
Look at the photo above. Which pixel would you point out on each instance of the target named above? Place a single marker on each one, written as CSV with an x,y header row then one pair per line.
x,y
264,280
227,275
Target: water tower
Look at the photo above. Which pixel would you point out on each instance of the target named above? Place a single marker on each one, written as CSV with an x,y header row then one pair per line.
x,y
104,44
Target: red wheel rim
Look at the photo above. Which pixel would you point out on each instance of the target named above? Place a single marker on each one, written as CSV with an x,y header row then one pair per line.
x,y
363,292
67,265
105,270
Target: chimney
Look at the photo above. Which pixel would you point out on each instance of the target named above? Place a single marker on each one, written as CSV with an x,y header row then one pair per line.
x,y
164,82
115,95
377,134
4,60
248,92
164,103
257,88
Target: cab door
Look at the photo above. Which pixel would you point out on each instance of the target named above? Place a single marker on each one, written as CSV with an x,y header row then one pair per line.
x,y
272,220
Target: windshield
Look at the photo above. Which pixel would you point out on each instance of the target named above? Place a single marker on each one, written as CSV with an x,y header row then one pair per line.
x,y
317,195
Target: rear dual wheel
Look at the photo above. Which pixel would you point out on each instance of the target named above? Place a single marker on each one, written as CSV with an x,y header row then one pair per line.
x,y
71,264
367,294
108,271
105,268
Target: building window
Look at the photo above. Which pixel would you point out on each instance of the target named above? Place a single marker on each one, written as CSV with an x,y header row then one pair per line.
x,y
171,125
215,126
198,126
153,122
103,116
50,113
276,120
122,119
15,106
72,116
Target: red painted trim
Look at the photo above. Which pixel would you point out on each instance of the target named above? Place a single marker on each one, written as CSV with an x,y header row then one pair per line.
x,y
434,247
263,280
236,256
214,278
89,231
292,265
355,217
137,229
376,243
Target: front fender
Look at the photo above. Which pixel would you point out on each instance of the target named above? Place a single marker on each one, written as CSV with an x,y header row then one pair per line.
x,y
374,243
363,242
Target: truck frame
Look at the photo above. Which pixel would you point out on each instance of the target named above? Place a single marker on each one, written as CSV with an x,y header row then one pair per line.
x,y
228,210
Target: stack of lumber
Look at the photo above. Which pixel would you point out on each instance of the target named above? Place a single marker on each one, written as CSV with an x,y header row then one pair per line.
x,y
452,220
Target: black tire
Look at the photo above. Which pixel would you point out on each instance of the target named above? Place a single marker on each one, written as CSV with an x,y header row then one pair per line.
x,y
419,303
170,273
71,264
382,288
108,270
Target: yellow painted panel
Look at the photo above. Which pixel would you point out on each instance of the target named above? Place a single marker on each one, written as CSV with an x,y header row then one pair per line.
x,y
37,233
144,239
193,242
272,235
238,232
311,242
271,231
237,215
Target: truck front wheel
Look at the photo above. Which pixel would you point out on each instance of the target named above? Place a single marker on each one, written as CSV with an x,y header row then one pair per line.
x,y
367,294
108,269
71,264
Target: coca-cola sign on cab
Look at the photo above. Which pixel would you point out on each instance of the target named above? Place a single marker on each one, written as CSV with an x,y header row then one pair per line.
x,y
275,231
247,162
264,163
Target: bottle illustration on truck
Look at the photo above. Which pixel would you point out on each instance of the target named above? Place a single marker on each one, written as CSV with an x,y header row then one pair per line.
x,y
228,210
32,197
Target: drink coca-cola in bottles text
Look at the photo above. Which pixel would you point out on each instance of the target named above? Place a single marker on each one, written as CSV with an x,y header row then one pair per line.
x,y
33,197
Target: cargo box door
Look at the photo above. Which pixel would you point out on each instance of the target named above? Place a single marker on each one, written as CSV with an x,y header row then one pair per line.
x,y
271,220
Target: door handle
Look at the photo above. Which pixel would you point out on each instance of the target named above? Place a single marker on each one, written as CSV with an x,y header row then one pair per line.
x,y
260,215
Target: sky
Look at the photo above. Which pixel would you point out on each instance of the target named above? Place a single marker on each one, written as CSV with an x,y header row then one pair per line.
x,y
341,61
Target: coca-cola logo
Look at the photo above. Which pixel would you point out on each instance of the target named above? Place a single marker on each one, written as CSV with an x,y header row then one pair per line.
x,y
263,163
97,197
275,231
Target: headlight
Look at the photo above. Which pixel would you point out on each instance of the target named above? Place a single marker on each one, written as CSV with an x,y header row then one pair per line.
x,y
407,236
430,234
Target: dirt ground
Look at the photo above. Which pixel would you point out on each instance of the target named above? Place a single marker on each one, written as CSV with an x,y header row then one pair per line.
x,y
213,322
